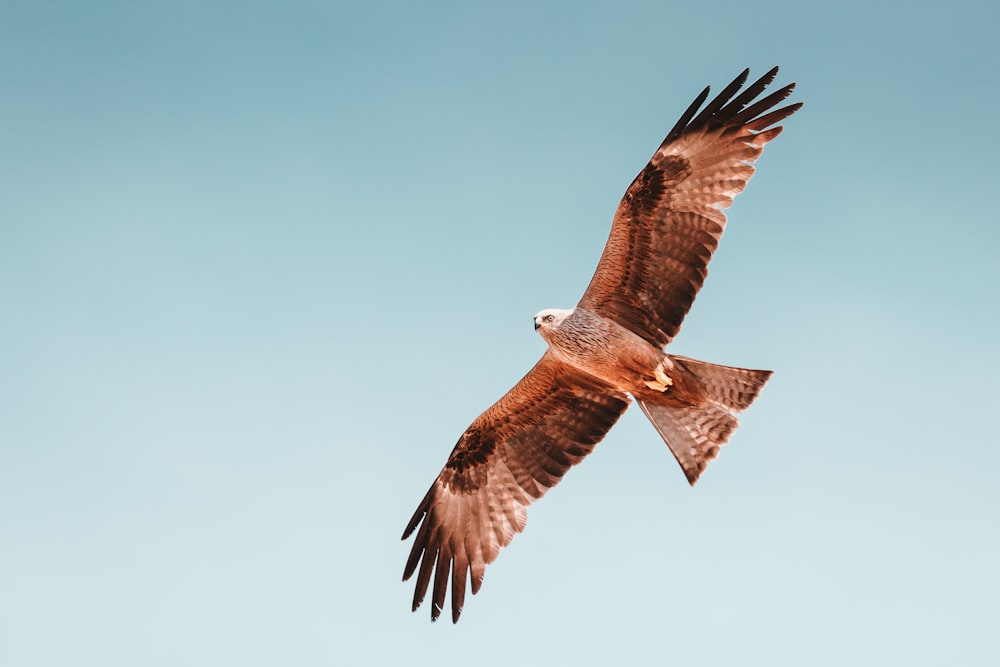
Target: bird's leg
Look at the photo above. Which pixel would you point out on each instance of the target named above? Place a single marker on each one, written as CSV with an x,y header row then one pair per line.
x,y
663,381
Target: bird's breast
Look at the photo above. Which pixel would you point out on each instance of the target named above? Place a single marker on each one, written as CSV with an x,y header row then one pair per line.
x,y
604,349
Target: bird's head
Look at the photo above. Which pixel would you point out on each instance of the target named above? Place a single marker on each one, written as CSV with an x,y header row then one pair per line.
x,y
550,319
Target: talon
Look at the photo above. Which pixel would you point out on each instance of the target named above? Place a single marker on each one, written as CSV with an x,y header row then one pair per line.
x,y
662,382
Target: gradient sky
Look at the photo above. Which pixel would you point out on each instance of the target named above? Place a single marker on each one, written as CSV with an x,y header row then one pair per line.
x,y
262,263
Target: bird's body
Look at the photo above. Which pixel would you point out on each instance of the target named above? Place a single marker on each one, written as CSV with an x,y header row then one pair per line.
x,y
602,348
662,383
609,347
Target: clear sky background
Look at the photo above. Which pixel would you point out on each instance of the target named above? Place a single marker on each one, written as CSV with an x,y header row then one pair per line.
x,y
262,263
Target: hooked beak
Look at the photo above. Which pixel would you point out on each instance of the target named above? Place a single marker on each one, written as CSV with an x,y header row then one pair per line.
x,y
538,325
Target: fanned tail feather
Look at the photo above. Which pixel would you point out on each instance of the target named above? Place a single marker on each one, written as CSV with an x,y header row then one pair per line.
x,y
731,387
694,433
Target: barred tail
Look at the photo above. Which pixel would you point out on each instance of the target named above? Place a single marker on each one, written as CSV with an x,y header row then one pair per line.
x,y
695,433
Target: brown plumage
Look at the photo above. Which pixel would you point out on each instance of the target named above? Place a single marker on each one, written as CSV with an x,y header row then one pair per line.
x,y
611,345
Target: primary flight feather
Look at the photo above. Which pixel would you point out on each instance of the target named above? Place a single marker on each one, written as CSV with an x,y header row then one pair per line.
x,y
608,348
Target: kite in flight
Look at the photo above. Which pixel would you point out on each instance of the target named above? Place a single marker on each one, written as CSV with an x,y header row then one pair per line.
x,y
611,345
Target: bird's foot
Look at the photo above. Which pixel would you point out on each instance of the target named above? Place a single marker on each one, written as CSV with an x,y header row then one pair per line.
x,y
662,382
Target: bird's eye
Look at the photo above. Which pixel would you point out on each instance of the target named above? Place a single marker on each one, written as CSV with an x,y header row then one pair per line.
x,y
548,318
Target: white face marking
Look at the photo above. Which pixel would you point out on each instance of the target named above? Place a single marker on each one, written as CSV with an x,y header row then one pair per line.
x,y
550,318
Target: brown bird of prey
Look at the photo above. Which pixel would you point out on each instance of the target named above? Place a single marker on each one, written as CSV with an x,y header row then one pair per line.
x,y
611,345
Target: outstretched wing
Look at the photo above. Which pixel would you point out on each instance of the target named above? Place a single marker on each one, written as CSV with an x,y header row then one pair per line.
x,y
509,457
669,222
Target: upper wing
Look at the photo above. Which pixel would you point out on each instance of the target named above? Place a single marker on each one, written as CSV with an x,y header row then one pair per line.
x,y
669,222
510,456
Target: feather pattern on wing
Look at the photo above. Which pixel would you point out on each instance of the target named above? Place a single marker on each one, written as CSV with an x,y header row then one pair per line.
x,y
669,222
509,457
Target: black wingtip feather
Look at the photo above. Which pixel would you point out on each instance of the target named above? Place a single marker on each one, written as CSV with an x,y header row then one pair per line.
x,y
752,91
720,100
418,515
441,576
686,117
776,116
732,112
423,578
763,104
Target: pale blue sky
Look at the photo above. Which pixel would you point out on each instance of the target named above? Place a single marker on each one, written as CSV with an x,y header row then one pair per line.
x,y
262,263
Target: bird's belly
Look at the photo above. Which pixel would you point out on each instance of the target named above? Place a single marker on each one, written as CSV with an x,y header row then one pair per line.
x,y
611,353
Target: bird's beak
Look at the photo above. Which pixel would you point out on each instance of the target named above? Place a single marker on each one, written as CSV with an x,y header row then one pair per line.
x,y
538,325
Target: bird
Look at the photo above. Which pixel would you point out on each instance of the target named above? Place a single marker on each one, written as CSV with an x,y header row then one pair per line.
x,y
608,350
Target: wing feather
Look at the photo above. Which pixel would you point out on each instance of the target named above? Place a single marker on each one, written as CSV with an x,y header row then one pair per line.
x,y
669,222
509,457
